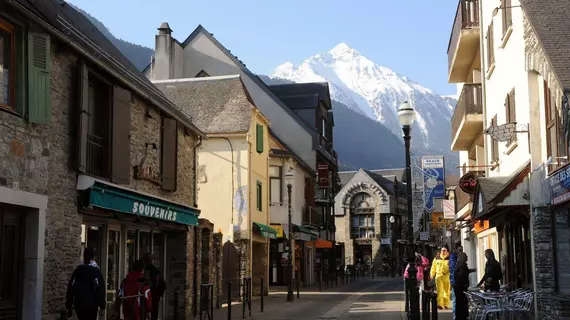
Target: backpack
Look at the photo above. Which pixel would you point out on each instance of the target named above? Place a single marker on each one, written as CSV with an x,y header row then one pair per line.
x,y
86,287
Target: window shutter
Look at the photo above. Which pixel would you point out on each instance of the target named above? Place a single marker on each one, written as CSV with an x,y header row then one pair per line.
x,y
512,105
121,143
39,78
169,154
259,138
83,116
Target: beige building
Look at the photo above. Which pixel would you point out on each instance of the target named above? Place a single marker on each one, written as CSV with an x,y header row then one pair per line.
x,y
233,165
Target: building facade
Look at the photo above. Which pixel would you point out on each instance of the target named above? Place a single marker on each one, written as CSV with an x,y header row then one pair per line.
x,y
369,219
93,156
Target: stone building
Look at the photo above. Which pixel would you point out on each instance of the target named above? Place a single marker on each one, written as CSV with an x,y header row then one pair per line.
x,y
92,155
364,206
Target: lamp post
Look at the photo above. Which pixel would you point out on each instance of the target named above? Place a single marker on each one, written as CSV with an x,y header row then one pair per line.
x,y
406,115
392,249
289,181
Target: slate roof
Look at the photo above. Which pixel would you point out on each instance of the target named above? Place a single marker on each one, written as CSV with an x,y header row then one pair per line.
x,y
301,89
70,25
491,187
215,104
551,23
398,173
386,183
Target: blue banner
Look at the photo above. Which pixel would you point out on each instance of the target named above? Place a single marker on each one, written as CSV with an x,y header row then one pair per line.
x,y
434,180
559,186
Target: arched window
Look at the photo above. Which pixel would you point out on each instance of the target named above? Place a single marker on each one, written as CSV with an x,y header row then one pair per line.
x,y
361,217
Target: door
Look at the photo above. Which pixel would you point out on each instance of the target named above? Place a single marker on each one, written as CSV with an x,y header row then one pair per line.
x,y
11,249
230,271
113,269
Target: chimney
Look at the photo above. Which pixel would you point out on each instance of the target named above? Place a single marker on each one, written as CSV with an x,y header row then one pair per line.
x,y
163,59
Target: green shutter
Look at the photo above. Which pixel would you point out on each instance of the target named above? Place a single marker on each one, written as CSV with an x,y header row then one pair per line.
x,y
259,138
39,78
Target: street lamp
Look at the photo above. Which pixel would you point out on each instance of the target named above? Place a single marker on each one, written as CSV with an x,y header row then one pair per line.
x,y
406,116
289,181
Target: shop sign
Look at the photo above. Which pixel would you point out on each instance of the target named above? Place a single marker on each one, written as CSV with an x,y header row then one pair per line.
x,y
323,175
468,183
424,236
302,236
363,241
559,184
449,209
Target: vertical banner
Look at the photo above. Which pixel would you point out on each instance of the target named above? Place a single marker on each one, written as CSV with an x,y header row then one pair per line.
x,y
434,180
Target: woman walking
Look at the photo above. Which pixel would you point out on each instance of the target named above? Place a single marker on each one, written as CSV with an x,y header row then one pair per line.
x,y
461,285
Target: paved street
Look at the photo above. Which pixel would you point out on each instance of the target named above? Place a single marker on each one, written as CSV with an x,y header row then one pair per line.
x,y
381,298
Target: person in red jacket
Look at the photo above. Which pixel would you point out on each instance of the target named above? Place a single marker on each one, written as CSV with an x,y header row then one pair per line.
x,y
135,294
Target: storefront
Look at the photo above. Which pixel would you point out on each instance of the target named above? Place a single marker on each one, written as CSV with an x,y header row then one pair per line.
x,y
123,225
501,218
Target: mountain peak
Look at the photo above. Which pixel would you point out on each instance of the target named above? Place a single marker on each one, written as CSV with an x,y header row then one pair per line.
x,y
343,49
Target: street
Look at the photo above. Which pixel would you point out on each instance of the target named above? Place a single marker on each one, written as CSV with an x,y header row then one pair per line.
x,y
381,298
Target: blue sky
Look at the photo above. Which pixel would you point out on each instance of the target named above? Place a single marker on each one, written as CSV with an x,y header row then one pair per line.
x,y
408,36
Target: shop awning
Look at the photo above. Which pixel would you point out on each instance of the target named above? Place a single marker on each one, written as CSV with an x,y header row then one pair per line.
x,y
106,195
304,234
323,244
266,231
499,192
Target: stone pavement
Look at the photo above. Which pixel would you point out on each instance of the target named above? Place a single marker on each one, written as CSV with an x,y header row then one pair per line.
x,y
381,298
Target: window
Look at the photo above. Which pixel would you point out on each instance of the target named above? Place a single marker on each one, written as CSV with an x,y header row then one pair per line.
x,y
556,146
103,138
202,74
259,194
490,47
362,217
507,15
275,185
511,114
494,143
324,128
25,75
7,65
259,138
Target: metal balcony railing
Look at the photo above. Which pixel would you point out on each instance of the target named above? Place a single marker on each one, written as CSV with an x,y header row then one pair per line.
x,y
311,216
470,102
96,156
466,17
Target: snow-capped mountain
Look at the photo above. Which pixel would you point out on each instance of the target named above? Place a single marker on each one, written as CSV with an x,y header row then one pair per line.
x,y
376,92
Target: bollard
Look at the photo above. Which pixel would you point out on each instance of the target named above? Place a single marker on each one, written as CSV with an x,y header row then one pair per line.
x,y
407,297
320,280
229,300
433,297
262,293
373,272
336,277
298,285
425,305
211,301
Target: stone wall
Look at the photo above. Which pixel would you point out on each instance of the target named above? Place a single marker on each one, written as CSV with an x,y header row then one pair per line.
x,y
41,159
212,261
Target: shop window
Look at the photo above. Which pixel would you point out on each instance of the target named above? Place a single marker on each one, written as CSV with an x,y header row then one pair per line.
x,y
275,186
562,250
7,65
104,142
259,194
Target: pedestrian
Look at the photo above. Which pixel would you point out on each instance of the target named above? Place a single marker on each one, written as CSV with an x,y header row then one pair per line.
x,y
86,289
135,294
460,286
440,273
493,273
157,284
421,264
452,264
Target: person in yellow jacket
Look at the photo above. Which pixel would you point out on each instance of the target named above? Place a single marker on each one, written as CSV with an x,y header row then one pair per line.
x,y
440,273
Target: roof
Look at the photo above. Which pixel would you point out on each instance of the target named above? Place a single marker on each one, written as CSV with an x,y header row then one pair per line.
x,y
382,181
301,89
201,30
549,20
398,173
289,153
215,104
66,23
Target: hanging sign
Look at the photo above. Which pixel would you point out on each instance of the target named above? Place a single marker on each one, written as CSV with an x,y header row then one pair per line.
x,y
449,209
434,180
468,183
323,175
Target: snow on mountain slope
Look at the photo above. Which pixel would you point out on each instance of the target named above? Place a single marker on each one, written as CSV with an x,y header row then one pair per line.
x,y
376,92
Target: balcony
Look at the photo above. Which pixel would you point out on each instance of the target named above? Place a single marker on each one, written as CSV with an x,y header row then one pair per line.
x,y
311,217
463,48
467,121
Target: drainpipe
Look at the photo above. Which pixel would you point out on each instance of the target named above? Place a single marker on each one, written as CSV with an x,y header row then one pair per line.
x,y
195,171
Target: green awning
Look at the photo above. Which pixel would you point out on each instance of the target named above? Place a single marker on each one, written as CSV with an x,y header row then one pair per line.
x,y
266,231
306,231
116,198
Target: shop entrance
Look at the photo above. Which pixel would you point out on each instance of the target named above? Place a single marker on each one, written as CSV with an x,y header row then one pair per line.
x,y
11,249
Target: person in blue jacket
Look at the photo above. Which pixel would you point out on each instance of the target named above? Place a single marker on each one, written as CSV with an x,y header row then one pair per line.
x,y
452,264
